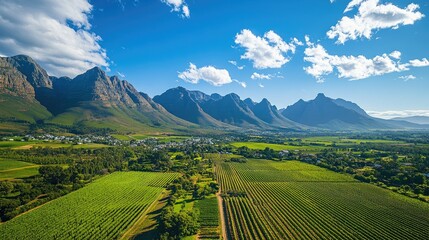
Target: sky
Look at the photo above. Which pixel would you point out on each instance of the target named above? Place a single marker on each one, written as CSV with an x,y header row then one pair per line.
x,y
372,52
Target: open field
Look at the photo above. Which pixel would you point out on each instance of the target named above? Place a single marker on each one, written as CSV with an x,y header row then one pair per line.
x,y
7,164
275,147
19,172
102,210
327,140
18,145
269,200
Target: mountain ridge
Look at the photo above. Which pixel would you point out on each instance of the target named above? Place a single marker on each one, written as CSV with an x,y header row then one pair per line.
x,y
95,100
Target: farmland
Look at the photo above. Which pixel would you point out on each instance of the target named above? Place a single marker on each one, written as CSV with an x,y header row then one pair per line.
x,y
276,147
288,200
102,210
11,169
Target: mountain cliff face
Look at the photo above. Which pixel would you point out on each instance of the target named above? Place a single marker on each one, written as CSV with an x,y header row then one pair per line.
x,y
185,104
96,100
17,95
232,110
13,82
92,98
269,114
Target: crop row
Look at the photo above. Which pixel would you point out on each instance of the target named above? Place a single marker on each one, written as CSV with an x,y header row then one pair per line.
x,y
315,210
102,210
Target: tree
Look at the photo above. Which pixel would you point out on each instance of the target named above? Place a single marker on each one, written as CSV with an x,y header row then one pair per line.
x,y
176,225
54,174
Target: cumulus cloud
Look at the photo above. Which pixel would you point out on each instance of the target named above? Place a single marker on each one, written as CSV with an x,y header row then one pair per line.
x,y
419,63
261,86
236,64
353,67
407,77
256,75
372,16
57,34
266,51
395,54
210,74
179,6
394,114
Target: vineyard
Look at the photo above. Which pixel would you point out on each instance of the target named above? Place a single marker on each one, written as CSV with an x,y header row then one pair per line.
x,y
102,210
293,200
209,218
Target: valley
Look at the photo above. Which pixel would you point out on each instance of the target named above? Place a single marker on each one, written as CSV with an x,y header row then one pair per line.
x,y
341,186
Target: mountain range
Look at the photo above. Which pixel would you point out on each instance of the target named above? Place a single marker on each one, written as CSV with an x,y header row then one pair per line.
x,y
94,100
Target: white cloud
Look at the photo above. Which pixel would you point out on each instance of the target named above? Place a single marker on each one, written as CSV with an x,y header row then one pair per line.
x,y
267,51
57,34
179,6
121,74
419,63
210,74
352,4
243,84
395,54
261,86
256,75
394,114
236,64
372,16
353,67
407,77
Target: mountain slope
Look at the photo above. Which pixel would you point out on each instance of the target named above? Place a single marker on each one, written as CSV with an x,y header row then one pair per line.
x,y
97,100
185,104
17,96
325,112
269,114
414,119
92,99
232,110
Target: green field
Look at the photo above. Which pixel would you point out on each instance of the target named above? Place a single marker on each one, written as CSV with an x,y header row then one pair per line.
x,y
19,173
209,218
102,210
328,140
293,200
18,145
275,147
11,169
6,164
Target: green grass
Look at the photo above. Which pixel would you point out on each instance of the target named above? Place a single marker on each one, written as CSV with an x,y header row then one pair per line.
x,y
276,147
28,145
12,107
12,144
102,210
327,140
6,164
278,194
19,173
122,137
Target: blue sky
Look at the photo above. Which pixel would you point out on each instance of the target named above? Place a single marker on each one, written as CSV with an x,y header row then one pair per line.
x,y
150,43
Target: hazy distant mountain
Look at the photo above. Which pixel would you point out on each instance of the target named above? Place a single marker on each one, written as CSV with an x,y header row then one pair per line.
x,y
329,113
185,104
232,110
214,110
269,114
414,119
